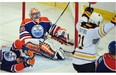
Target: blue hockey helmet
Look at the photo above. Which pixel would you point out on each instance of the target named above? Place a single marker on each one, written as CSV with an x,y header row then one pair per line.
x,y
112,48
9,56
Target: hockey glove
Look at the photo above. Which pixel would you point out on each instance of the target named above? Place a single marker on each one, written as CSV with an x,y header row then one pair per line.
x,y
62,34
29,62
20,59
28,52
113,20
89,9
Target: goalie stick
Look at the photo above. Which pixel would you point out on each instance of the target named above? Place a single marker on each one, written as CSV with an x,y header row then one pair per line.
x,y
62,12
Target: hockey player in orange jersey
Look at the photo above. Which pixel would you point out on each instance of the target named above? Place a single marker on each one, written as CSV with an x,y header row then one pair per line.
x,y
11,62
107,62
33,33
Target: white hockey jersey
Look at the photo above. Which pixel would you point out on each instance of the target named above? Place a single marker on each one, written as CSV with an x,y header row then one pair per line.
x,y
88,40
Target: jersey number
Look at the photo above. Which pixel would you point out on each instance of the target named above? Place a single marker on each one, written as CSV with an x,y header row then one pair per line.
x,y
81,40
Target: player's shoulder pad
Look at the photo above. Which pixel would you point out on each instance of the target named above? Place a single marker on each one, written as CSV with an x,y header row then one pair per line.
x,y
111,64
44,19
26,20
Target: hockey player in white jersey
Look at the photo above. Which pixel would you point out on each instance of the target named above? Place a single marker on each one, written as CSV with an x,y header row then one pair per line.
x,y
90,31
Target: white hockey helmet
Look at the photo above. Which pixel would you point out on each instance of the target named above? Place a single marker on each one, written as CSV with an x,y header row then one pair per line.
x,y
96,18
34,13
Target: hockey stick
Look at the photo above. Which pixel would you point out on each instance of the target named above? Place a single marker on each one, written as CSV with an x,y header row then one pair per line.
x,y
62,13
90,3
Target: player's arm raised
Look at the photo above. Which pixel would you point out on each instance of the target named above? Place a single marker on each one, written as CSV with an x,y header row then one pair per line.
x,y
106,28
86,14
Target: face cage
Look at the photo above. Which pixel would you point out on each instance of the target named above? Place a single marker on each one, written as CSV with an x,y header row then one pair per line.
x,y
35,15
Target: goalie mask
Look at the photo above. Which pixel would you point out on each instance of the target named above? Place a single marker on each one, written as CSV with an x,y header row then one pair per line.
x,y
34,13
9,56
96,18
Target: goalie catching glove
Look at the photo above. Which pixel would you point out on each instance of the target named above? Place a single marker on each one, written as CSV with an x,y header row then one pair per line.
x,y
59,32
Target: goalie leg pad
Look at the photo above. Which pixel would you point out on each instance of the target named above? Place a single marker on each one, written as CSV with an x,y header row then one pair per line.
x,y
51,49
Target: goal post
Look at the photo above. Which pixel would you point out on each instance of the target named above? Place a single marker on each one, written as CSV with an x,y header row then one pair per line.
x,y
23,10
76,21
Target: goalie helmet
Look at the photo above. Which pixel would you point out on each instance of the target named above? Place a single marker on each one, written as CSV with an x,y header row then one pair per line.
x,y
9,56
112,48
96,18
34,13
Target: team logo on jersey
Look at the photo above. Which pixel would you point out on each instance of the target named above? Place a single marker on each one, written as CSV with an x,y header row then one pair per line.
x,y
37,31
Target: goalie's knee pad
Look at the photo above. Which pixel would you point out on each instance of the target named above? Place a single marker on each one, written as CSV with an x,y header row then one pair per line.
x,y
60,54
